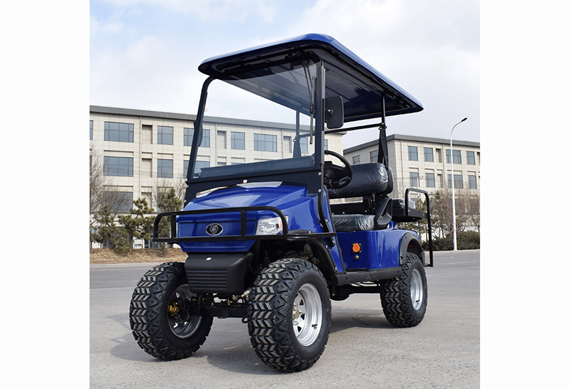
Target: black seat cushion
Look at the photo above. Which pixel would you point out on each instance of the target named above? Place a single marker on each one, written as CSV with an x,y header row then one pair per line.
x,y
349,223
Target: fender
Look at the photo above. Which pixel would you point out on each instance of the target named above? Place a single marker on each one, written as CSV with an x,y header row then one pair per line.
x,y
410,243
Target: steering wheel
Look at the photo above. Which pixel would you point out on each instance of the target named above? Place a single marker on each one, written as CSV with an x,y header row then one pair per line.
x,y
336,177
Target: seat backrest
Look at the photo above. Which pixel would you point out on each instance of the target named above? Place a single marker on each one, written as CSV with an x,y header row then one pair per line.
x,y
367,179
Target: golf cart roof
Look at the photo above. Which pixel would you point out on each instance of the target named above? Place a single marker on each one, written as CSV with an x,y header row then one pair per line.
x,y
359,84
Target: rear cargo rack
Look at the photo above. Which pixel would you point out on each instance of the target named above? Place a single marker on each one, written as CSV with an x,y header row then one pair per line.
x,y
428,215
286,234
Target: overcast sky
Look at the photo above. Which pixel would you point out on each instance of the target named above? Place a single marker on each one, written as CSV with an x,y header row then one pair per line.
x,y
144,54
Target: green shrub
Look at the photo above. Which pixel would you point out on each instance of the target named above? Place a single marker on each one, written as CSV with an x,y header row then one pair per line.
x,y
467,240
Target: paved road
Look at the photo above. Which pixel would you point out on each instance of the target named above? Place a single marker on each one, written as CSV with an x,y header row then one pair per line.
x,y
363,350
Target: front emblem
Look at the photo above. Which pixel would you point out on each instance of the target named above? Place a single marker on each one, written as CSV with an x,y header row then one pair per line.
x,y
214,229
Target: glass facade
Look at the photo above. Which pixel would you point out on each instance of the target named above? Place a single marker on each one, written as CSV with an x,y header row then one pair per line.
x,y
263,142
165,135
118,166
164,168
119,132
238,140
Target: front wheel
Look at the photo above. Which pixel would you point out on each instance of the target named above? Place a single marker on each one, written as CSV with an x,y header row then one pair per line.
x,y
159,316
404,298
289,315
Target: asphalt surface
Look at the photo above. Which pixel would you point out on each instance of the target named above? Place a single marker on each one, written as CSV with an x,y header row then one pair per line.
x,y
363,350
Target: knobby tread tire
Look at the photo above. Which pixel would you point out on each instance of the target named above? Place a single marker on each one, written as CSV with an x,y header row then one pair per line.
x,y
270,322
148,314
396,299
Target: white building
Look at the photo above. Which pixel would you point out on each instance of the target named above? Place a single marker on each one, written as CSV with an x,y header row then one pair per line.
x,y
141,149
424,163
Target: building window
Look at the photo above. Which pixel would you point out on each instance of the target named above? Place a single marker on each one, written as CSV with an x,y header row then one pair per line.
x,y
458,182
356,160
456,156
164,168
165,135
412,153
118,166
188,135
205,138
185,167
472,182
304,143
326,144
199,166
374,156
119,132
430,180
470,158
238,140
90,129
428,154
118,201
262,142
414,179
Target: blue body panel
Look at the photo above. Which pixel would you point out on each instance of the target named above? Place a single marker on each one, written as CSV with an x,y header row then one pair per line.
x,y
293,201
379,249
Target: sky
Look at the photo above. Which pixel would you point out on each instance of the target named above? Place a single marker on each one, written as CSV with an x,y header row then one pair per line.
x,y
144,54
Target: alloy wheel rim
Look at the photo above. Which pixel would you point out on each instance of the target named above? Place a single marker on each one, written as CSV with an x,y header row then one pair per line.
x,y
416,289
307,315
181,326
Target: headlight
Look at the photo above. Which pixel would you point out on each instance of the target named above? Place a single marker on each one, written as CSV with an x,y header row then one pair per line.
x,y
271,226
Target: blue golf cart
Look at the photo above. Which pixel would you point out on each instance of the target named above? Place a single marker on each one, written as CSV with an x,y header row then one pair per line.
x,y
273,239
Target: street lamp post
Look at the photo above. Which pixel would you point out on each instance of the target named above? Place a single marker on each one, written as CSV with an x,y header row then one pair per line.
x,y
453,186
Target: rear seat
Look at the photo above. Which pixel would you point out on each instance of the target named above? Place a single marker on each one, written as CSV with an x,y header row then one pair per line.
x,y
373,182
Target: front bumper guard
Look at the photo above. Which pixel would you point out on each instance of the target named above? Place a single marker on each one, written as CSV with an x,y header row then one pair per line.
x,y
285,235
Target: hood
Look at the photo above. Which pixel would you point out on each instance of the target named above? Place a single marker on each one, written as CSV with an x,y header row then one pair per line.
x,y
273,194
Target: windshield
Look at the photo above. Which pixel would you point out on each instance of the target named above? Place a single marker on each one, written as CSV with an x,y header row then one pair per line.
x,y
259,121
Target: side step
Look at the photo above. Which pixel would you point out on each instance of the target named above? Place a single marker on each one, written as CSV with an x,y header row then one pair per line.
x,y
351,277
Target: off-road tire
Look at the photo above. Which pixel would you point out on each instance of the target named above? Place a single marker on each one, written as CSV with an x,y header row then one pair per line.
x,y
154,328
404,298
289,315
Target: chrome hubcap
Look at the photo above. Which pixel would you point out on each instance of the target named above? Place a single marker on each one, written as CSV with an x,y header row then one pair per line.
x,y
416,289
307,315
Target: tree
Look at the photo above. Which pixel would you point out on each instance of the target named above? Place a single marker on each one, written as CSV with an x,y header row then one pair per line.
x,y
137,225
105,230
473,206
165,185
104,199
169,201
466,211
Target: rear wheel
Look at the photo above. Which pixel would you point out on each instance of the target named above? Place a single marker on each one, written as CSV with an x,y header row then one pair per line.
x,y
404,298
159,314
289,315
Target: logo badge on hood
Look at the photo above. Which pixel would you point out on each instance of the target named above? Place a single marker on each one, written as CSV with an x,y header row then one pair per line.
x,y
214,229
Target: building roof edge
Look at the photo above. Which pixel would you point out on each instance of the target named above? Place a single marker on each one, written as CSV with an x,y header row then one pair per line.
x,y
413,138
